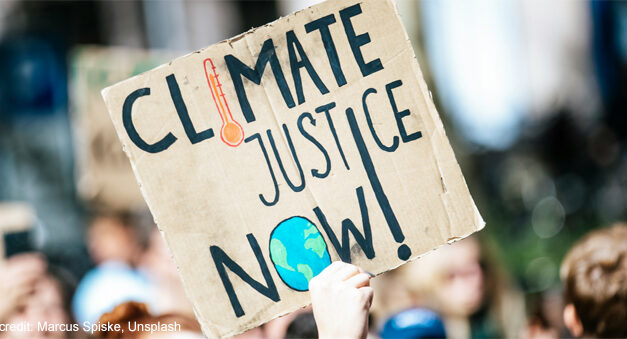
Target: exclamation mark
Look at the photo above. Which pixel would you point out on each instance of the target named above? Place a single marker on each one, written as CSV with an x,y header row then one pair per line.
x,y
404,252
231,132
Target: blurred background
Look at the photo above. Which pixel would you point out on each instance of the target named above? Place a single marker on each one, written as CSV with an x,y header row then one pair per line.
x,y
533,95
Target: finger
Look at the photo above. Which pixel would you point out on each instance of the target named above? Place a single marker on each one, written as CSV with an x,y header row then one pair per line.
x,y
27,260
368,294
326,272
359,280
27,268
346,272
22,257
27,272
372,275
334,267
28,278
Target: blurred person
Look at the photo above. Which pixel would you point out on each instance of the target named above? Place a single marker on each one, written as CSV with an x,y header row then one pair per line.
x,y
302,326
253,333
539,328
20,274
115,245
135,321
392,294
114,237
594,273
106,286
279,328
340,295
470,293
413,324
45,308
544,315
167,289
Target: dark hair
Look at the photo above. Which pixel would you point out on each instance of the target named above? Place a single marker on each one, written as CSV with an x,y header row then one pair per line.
x,y
595,276
303,326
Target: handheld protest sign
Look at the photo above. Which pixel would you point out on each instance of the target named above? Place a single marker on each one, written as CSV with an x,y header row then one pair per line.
x,y
267,156
104,176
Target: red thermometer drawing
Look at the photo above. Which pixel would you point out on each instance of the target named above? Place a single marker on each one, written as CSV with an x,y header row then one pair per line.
x,y
231,132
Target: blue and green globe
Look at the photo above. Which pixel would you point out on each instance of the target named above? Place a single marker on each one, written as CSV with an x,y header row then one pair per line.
x,y
298,252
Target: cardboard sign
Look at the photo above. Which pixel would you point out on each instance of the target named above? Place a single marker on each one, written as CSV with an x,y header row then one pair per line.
x,y
267,156
104,175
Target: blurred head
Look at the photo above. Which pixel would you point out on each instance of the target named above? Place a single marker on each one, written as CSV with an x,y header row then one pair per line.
x,y
113,238
137,313
278,327
302,326
450,279
156,262
414,323
47,303
156,257
106,286
594,273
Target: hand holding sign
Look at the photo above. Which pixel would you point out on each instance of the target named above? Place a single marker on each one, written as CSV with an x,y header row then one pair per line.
x,y
341,297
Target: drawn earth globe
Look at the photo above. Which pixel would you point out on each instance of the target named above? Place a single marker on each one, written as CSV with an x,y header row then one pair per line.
x,y
298,252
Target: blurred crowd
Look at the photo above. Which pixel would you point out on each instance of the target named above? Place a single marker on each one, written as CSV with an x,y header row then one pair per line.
x,y
533,95
459,290
132,269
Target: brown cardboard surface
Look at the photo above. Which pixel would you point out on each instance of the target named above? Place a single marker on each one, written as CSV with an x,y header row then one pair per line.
x,y
104,176
381,187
